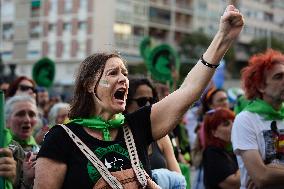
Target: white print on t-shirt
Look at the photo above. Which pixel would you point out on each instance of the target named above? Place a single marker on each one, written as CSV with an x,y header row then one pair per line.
x,y
116,163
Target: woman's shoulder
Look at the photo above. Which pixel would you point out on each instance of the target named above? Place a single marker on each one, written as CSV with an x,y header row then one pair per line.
x,y
213,150
141,113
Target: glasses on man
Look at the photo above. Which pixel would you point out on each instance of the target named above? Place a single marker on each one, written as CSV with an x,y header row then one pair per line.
x,y
142,101
25,88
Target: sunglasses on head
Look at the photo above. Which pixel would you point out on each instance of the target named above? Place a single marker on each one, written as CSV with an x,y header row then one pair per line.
x,y
24,88
142,101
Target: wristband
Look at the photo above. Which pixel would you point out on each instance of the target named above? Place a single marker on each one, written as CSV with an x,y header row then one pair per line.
x,y
208,64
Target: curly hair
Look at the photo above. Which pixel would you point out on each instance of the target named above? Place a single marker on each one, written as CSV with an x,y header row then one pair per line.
x,y
90,71
253,75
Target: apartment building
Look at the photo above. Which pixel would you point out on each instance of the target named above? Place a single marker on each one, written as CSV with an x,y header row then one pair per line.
x,y
68,30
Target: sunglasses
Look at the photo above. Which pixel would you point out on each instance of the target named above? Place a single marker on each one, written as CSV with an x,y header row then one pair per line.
x,y
24,88
142,101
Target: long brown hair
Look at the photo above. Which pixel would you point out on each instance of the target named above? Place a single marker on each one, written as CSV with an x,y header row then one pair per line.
x,y
92,67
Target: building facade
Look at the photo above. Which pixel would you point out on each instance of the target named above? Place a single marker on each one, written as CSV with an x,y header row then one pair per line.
x,y
67,31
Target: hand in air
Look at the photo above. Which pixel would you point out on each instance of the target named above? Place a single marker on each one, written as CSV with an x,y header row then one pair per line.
x,y
231,23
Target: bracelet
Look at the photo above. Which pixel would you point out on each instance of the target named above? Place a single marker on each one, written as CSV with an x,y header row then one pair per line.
x,y
207,63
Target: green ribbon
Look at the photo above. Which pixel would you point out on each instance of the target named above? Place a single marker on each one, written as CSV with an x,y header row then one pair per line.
x,y
98,123
24,143
266,110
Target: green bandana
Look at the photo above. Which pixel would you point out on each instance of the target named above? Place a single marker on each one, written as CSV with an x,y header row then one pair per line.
x,y
8,184
100,124
267,111
24,143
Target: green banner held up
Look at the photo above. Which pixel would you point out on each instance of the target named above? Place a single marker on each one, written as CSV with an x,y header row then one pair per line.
x,y
2,135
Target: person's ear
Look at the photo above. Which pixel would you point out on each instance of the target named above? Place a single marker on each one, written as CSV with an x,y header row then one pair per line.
x,y
214,133
261,88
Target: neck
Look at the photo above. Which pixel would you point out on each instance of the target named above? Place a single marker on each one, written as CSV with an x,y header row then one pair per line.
x,y
274,103
106,115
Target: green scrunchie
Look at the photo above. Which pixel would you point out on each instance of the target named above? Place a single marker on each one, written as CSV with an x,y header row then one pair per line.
x,y
99,123
266,110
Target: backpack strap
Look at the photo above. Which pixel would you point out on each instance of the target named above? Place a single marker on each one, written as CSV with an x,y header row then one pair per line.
x,y
111,180
128,136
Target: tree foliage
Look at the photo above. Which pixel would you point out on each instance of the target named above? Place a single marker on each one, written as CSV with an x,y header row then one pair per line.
x,y
193,45
260,45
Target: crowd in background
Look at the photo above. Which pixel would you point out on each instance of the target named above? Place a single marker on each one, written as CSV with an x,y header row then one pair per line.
x,y
228,144
183,141
200,144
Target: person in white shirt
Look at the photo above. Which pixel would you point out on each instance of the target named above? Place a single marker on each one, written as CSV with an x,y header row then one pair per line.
x,y
258,131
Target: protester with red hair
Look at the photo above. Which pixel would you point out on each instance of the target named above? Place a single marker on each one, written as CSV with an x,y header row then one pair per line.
x,y
219,163
257,134
253,75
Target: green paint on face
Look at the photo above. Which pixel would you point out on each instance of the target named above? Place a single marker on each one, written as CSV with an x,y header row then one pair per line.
x,y
104,83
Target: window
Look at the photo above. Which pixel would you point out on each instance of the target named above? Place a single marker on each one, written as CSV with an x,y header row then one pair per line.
x,y
67,26
138,31
68,6
160,16
51,27
82,25
81,49
7,55
8,31
35,29
53,7
33,54
139,10
83,4
122,31
7,9
35,8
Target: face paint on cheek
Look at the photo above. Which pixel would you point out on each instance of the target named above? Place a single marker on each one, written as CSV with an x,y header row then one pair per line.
x,y
104,83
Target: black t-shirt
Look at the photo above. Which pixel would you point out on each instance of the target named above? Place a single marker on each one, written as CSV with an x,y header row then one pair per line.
x,y
80,172
218,165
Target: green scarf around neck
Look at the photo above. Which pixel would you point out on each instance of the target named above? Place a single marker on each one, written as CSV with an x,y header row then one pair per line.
x,y
98,123
266,110
24,143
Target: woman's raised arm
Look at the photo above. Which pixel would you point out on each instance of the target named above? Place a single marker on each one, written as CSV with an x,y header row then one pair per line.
x,y
166,114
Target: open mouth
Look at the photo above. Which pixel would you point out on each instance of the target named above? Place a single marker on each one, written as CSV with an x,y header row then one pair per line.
x,y
120,94
25,128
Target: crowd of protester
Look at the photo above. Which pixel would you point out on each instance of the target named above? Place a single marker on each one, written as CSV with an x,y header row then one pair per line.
x,y
194,128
